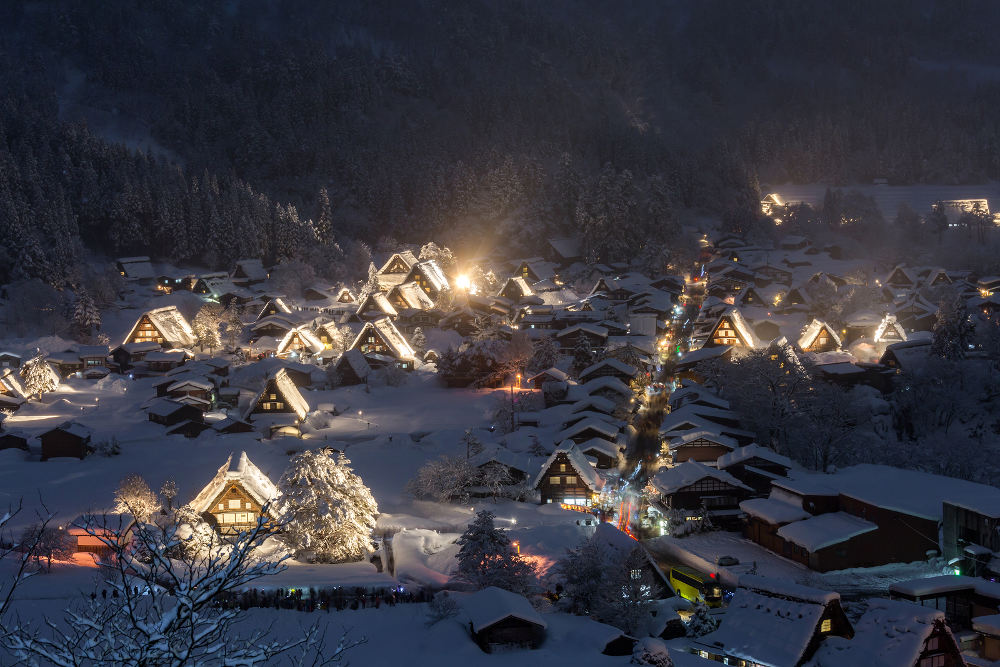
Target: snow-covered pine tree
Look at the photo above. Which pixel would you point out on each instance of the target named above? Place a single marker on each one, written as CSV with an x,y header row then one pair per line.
x,y
324,218
651,651
544,355
372,285
701,622
234,325
86,317
582,572
487,558
330,513
953,331
38,376
583,353
206,326
418,341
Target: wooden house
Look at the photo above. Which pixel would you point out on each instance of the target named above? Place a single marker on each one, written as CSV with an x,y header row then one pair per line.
x,y
755,466
11,385
279,396
796,296
889,331
563,250
605,454
900,278
69,439
702,446
396,268
136,269
534,271
273,326
430,277
169,412
548,375
774,622
501,621
818,336
344,295
13,440
236,497
971,531
382,337
65,363
165,326
409,296
919,637
594,334
9,360
249,272
316,293
517,290
352,368
230,425
275,306
587,428
963,599
609,367
516,468
988,628
695,487
567,477
299,342
731,329
375,306
906,355
916,314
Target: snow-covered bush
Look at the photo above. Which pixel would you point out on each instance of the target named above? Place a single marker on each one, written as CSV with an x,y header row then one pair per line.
x,y
443,480
650,651
701,621
109,447
133,496
442,606
328,511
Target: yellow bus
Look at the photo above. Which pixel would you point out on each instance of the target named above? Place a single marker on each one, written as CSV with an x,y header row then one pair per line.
x,y
694,586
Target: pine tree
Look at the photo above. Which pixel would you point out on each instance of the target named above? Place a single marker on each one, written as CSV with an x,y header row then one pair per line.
x,y
372,285
583,353
39,376
234,325
486,558
86,317
206,326
545,355
418,341
701,622
330,513
953,331
324,219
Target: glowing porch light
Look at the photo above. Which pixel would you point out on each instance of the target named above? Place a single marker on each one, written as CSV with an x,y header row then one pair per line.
x,y
463,282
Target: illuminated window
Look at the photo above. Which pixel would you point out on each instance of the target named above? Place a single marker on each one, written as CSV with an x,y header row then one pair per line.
x,y
562,467
235,504
571,479
826,625
635,574
553,480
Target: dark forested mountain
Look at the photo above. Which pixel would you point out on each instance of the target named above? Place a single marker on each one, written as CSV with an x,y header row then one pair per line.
x,y
441,118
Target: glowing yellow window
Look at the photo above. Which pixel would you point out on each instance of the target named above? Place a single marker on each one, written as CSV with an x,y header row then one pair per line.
x,y
826,625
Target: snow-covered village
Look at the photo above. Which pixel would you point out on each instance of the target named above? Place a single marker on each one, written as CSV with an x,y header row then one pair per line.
x,y
317,349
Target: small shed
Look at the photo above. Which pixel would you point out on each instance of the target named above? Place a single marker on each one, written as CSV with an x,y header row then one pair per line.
x,y
500,620
69,439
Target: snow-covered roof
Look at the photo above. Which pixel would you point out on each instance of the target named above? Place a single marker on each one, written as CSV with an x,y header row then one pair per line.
x,y
812,330
252,269
987,625
945,583
594,329
195,383
769,622
890,633
587,473
377,301
73,428
616,364
163,406
307,338
566,248
753,451
492,605
244,472
888,323
774,511
602,427
391,335
825,530
606,382
603,446
283,383
740,325
671,480
594,404
504,456
553,372
711,436
137,268
432,271
171,324
357,362
413,296
520,284
407,257
12,382
691,391
703,354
